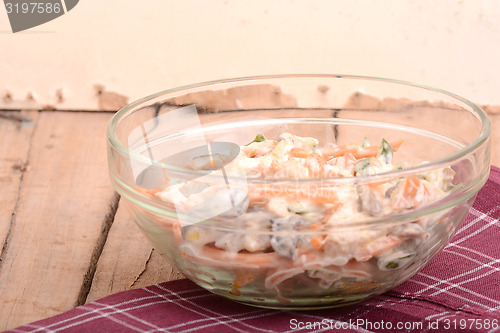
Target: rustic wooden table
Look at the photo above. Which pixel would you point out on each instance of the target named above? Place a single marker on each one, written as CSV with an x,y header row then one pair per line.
x,y
66,239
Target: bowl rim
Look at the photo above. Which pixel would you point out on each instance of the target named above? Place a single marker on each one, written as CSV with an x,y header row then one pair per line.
x,y
451,199
483,136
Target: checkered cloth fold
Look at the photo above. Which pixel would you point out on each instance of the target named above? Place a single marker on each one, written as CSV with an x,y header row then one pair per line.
x,y
458,291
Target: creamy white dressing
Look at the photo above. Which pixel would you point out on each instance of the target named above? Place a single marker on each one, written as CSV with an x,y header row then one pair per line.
x,y
269,222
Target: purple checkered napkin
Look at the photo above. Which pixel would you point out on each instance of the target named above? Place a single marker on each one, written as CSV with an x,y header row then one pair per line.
x,y
458,291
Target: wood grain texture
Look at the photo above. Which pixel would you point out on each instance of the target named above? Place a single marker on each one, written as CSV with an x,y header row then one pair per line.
x,y
15,139
62,206
128,261
54,179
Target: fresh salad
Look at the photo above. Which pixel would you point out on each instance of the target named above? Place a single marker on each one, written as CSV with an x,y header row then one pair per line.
x,y
300,233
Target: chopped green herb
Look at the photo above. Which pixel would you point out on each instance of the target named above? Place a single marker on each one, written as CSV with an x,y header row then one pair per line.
x,y
258,138
362,166
408,256
385,152
365,143
392,265
399,261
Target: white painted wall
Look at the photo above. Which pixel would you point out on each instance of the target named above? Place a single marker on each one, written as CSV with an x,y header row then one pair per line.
x,y
140,47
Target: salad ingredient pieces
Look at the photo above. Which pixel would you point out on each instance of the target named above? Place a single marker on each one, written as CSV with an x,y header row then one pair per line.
x,y
279,231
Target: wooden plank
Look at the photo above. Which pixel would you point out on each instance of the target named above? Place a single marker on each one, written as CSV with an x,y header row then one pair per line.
x,y
128,261
15,138
46,277
65,203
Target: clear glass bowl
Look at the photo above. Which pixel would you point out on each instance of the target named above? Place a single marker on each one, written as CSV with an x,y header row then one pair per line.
x,y
151,140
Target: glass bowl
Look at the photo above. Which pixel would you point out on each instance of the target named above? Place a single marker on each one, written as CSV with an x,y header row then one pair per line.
x,y
270,236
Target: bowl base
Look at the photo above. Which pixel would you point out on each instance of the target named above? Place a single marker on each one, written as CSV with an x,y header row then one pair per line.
x,y
298,303
301,308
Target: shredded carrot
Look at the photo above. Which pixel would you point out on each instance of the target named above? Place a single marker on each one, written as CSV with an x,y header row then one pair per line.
x,y
411,187
363,286
329,212
317,242
312,193
299,152
376,185
378,246
316,226
318,158
357,151
411,192
358,285
148,191
243,281
345,161
235,291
